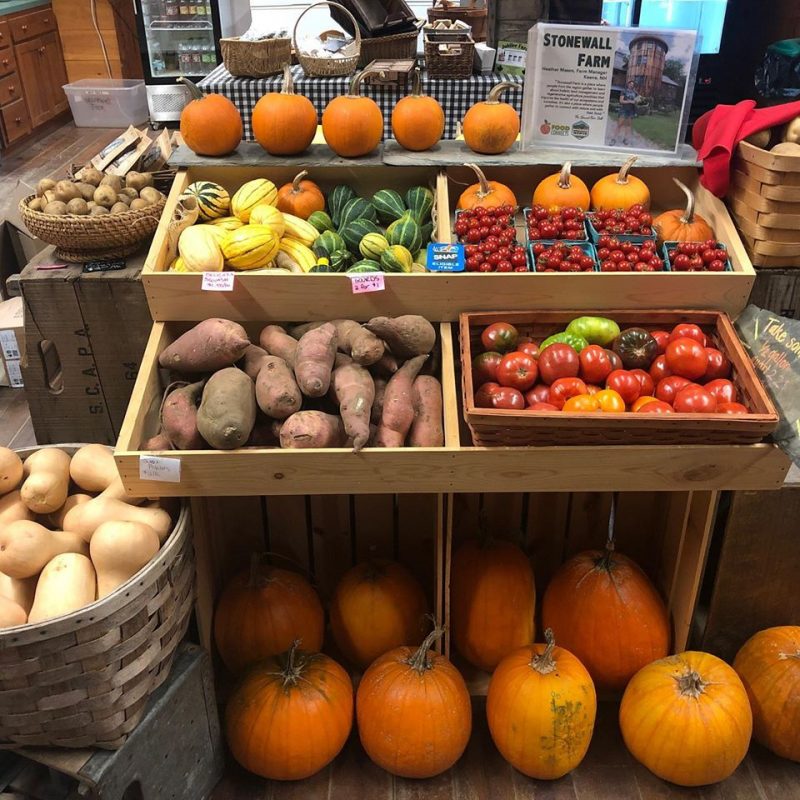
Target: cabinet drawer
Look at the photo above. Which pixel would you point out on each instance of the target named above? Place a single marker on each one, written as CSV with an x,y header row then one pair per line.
x,y
5,34
35,24
7,61
10,89
16,121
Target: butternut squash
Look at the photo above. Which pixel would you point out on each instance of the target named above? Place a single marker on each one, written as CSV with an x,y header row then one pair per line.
x,y
11,613
119,550
20,591
93,468
85,519
25,547
56,519
46,480
10,470
116,491
67,583
12,508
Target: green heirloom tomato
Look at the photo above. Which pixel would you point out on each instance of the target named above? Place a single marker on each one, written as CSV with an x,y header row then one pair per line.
x,y
577,343
596,330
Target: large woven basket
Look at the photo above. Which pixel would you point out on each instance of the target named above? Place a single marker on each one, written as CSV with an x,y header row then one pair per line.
x,y
456,61
317,67
83,680
398,45
255,59
474,17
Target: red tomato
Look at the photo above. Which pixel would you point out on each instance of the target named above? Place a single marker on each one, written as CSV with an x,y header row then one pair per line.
x,y
517,370
686,330
484,368
508,397
500,337
659,369
593,389
648,385
531,348
485,394
670,386
610,401
539,394
595,364
694,399
731,408
718,364
643,401
542,407
657,407
723,390
616,361
662,339
625,383
558,361
563,388
687,357
581,404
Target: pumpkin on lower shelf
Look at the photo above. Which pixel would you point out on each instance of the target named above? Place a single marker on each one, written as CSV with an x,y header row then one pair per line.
x,y
351,124
687,719
300,197
682,225
562,190
417,119
211,125
485,193
491,126
620,190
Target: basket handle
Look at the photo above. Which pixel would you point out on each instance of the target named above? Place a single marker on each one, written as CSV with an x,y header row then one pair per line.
x,y
330,4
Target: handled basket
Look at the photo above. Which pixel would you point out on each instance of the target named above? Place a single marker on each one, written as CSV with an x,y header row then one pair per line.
x,y
318,67
255,59
83,679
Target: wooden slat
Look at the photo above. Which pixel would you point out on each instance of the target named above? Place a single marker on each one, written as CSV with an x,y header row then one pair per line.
x,y
331,528
374,526
767,160
546,535
289,534
418,530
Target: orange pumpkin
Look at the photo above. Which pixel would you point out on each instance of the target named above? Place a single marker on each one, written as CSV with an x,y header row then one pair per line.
x,y
417,120
414,712
562,190
377,606
541,708
290,715
210,124
262,611
769,666
351,124
284,123
620,190
682,225
491,127
492,601
300,198
485,194
687,719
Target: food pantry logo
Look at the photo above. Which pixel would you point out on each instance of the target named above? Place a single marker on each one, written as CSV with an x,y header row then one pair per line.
x,y
580,130
553,129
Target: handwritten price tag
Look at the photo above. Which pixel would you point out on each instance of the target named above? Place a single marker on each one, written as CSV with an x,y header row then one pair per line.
x,y
217,281
367,282
158,468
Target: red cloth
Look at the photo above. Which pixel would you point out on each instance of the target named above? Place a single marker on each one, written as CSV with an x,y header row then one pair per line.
x,y
716,134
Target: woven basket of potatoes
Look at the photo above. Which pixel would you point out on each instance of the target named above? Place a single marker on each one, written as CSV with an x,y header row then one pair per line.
x,y
94,216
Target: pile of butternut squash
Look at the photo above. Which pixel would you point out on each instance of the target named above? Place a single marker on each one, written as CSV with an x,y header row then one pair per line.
x,y
68,534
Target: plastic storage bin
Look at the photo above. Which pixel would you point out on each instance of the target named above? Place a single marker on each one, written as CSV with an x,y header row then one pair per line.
x,y
107,103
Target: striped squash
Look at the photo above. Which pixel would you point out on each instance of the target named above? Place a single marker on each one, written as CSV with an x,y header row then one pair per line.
x,y
389,205
396,259
327,243
265,214
365,265
340,260
250,247
321,221
250,195
372,245
227,223
355,232
213,200
357,208
339,197
405,231
419,201
216,232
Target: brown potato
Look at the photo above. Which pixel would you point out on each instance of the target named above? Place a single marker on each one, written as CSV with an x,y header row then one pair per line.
x,y
129,192
119,208
36,204
150,194
98,210
105,196
90,175
77,206
114,181
138,204
86,190
56,207
45,185
138,180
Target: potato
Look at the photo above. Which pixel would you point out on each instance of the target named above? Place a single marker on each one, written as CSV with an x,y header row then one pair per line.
x,y
36,204
49,196
138,204
105,196
138,180
86,190
56,207
130,192
77,206
123,198
114,181
66,191
45,185
90,175
227,411
152,195
210,345
119,208
98,210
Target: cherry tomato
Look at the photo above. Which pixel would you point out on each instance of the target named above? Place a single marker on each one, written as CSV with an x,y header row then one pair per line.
x,y
694,399
500,337
647,383
688,330
723,390
668,387
718,364
659,369
558,361
610,401
485,394
662,339
581,404
517,370
731,408
616,361
595,364
539,394
625,383
657,407
564,388
484,368
687,357
531,348
508,397
643,401
542,407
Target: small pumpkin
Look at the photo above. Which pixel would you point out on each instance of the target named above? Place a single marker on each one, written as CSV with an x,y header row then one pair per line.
x,y
687,719
682,225
541,708
491,127
417,119
351,124
290,716
414,712
620,190
769,666
211,125
300,197
562,190
485,194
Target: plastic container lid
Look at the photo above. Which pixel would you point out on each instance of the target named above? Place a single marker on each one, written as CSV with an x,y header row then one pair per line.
x,y
105,83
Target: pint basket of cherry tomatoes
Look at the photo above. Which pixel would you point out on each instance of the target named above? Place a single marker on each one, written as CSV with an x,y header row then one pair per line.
x,y
555,224
490,240
634,224
708,256
629,377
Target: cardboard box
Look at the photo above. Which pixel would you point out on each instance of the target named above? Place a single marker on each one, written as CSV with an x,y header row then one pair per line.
x,y
12,340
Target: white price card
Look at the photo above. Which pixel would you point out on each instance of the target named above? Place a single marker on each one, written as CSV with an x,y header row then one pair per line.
x,y
367,282
158,468
217,281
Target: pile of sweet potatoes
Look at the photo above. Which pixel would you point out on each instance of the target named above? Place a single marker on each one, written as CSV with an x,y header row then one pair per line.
x,y
323,384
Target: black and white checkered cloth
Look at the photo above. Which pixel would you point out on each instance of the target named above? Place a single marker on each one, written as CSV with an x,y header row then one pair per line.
x,y
455,95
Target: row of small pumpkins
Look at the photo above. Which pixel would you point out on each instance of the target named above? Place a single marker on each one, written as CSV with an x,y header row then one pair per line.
x,y
687,717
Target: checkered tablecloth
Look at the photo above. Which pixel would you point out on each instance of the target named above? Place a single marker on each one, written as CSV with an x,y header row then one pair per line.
x,y
456,96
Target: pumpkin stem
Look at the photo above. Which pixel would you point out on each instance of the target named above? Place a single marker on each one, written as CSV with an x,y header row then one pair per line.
x,y
690,683
416,84
544,663
484,190
255,566
193,90
688,215
355,83
494,95
419,661
622,175
605,561
565,178
292,671
288,80
296,182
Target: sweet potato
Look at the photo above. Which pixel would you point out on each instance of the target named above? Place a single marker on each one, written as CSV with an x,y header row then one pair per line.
x,y
312,429
314,359
398,405
263,434
407,336
253,360
363,346
211,345
427,428
277,392
277,342
341,359
227,411
298,331
355,392
157,442
377,403
179,416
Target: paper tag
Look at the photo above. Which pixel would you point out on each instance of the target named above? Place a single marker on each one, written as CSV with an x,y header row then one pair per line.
x,y
8,343
158,468
14,374
217,281
367,282
445,257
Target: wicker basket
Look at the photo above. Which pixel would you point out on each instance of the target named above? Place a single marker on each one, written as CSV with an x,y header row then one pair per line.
x,y
474,17
501,428
328,67
457,62
399,45
83,680
255,59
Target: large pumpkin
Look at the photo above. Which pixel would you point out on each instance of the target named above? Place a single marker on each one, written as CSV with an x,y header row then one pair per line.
x,y
687,719
485,194
541,708
262,611
413,710
284,123
377,606
417,119
290,715
620,190
769,666
351,124
491,127
562,190
492,601
210,124
603,608
682,225
300,197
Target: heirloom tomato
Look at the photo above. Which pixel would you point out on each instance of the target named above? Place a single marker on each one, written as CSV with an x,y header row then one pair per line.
x,y
694,399
718,364
484,368
563,388
688,330
662,340
647,383
659,368
636,347
581,404
658,407
626,384
687,357
558,361
517,370
595,364
542,407
668,387
610,401
731,408
723,390
500,337
539,394
643,401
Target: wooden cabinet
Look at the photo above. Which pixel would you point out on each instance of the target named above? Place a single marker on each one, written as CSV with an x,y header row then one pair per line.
x,y
29,59
54,71
16,122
